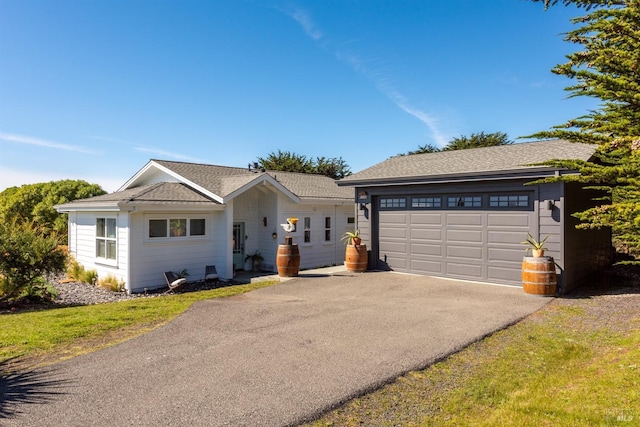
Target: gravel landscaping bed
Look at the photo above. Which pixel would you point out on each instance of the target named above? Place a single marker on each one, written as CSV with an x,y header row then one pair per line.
x,y
80,293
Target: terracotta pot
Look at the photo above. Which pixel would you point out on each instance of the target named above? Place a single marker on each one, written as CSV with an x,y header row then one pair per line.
x,y
356,240
356,258
288,260
537,253
539,276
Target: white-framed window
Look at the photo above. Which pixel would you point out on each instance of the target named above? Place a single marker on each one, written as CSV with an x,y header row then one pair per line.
x,y
307,229
327,229
106,239
163,228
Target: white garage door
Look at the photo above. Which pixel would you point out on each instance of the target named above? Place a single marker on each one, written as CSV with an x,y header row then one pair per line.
x,y
480,242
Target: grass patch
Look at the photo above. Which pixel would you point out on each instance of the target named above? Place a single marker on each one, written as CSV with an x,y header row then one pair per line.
x,y
559,367
37,337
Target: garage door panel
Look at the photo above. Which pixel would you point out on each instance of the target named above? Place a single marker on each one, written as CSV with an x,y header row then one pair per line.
x,y
505,274
464,219
393,232
394,262
506,254
472,236
464,251
509,237
467,270
426,218
398,218
508,220
426,266
394,247
482,245
425,249
426,234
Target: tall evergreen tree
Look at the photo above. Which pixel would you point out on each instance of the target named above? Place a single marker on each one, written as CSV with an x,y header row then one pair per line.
x,y
607,67
477,140
463,142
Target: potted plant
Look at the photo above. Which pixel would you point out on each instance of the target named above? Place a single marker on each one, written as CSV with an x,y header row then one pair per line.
x,y
352,237
537,247
256,260
356,256
288,256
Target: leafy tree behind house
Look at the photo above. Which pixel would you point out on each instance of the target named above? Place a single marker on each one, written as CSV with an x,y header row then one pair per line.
x,y
35,202
332,167
463,142
606,67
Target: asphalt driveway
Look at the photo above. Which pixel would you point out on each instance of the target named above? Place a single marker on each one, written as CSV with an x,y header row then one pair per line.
x,y
272,357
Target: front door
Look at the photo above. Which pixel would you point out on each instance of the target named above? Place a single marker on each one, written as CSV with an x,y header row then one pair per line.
x,y
238,245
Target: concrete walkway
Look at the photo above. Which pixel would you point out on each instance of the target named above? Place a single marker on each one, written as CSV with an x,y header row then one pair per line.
x,y
272,357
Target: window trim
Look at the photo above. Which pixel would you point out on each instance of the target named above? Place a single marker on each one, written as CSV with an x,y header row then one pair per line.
x,y
168,237
306,230
106,239
329,229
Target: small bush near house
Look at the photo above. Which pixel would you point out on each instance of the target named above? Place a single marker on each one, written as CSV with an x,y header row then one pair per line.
x,y
77,272
111,283
27,253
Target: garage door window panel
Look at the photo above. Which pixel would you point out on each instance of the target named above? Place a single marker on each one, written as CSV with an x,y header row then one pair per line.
x,y
393,203
464,202
426,202
509,201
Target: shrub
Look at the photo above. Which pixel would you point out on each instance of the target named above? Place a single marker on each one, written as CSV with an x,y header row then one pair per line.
x,y
27,253
77,272
111,283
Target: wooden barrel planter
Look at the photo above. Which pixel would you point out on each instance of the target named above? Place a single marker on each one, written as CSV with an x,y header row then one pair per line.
x,y
539,276
288,260
356,258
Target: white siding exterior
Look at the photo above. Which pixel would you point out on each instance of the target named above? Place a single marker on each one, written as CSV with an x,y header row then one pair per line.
x,y
82,243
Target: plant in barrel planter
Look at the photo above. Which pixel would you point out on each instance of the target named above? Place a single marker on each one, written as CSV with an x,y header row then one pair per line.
x,y
288,257
537,247
538,271
356,256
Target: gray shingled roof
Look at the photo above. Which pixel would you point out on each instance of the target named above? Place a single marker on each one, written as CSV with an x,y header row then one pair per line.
x,y
475,161
219,180
223,180
159,193
310,186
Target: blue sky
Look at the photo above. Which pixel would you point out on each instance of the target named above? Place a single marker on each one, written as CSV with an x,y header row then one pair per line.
x,y
93,89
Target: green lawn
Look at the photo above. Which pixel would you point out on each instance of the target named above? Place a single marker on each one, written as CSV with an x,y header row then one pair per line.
x,y
64,332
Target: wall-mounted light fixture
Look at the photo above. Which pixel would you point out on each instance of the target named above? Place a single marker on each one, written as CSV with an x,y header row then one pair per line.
x,y
264,221
549,204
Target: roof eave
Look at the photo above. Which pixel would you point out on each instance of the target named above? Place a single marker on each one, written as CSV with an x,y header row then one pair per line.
x,y
529,172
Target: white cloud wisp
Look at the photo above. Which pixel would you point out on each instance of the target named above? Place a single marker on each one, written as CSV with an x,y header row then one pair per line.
x,y
29,140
